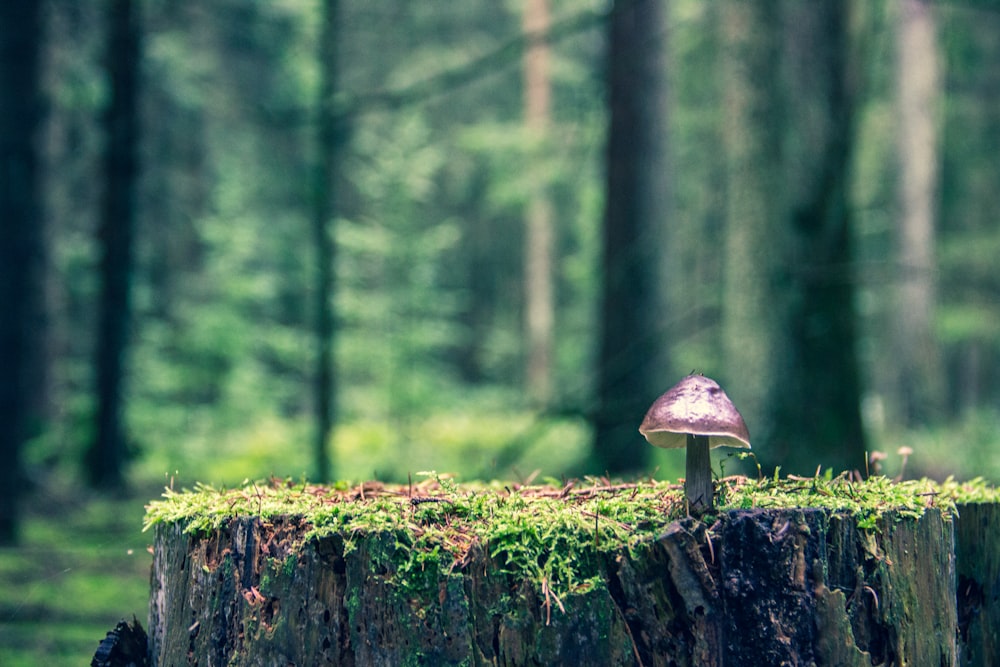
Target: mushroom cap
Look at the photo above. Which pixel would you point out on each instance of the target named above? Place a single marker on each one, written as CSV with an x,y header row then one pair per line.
x,y
695,405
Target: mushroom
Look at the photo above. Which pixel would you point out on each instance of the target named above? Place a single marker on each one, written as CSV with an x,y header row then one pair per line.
x,y
697,413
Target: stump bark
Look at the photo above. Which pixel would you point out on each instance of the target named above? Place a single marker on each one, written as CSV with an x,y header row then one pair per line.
x,y
759,587
977,551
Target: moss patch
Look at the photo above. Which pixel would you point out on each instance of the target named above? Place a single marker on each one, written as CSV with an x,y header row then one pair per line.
x,y
552,535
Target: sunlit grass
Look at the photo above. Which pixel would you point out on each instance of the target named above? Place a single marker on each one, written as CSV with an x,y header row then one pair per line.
x,y
82,566
497,444
474,444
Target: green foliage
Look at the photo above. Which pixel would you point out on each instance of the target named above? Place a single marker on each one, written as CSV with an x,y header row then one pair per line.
x,y
223,359
398,316
429,295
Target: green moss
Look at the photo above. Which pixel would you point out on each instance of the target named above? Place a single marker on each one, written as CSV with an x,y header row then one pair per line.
x,y
352,602
288,568
867,500
553,536
227,567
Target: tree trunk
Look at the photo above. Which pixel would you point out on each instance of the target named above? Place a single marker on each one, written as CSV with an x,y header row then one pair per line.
x,y
920,379
539,237
695,264
328,146
632,353
789,320
818,388
968,197
22,243
754,299
761,587
105,459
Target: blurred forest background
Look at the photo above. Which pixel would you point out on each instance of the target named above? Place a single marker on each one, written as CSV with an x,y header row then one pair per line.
x,y
342,240
482,237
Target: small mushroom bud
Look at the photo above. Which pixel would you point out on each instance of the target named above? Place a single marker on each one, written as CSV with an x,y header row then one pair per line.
x,y
698,414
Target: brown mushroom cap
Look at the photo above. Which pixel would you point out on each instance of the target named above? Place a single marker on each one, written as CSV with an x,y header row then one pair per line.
x,y
695,405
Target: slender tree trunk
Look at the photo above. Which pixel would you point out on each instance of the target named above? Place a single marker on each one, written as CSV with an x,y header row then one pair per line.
x,y
328,145
818,393
21,244
968,194
920,375
105,459
539,232
754,298
632,353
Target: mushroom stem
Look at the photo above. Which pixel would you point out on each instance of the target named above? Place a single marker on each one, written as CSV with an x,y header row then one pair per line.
x,y
698,475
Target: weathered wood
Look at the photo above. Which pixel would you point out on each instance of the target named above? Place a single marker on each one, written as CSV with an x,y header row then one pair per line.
x,y
759,587
977,557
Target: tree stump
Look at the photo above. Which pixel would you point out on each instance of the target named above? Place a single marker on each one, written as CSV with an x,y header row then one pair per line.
x,y
977,556
793,586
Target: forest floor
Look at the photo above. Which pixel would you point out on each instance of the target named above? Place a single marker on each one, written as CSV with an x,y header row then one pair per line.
x,y
83,564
